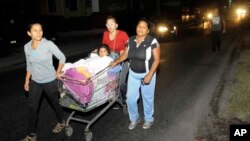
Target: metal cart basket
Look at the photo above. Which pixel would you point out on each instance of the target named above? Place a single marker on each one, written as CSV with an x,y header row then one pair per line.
x,y
105,92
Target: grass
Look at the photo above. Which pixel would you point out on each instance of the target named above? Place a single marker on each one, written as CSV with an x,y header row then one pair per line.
x,y
238,105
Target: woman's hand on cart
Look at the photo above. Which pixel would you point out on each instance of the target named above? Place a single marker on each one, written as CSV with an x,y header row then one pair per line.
x,y
59,75
112,64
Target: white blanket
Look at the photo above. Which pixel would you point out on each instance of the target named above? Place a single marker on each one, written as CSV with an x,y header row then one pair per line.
x,y
94,64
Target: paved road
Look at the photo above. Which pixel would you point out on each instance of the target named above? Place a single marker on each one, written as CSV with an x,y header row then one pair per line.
x,y
187,77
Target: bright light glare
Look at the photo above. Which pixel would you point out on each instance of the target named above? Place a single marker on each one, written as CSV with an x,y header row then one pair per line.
x,y
185,17
209,15
241,12
206,25
175,28
162,29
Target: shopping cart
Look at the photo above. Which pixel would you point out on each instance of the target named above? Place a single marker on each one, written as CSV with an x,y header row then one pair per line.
x,y
105,92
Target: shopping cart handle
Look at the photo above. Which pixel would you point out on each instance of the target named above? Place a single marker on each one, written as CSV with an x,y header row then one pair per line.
x,y
85,82
99,73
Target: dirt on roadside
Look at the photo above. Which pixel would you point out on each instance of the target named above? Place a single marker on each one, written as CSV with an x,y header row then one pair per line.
x,y
215,126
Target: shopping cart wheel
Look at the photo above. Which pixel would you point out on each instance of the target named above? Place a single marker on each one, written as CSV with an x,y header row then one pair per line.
x,y
88,135
68,131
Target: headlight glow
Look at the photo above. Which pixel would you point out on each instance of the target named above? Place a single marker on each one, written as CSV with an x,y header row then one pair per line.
x,y
162,29
209,15
241,12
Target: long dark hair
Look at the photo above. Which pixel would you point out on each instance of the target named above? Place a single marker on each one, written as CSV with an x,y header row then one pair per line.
x,y
105,46
112,17
150,25
146,21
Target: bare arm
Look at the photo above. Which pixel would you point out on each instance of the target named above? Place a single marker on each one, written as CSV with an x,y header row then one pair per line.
x,y
156,55
59,71
27,81
122,58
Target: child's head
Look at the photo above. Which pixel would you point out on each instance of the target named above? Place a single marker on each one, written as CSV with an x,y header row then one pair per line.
x,y
103,50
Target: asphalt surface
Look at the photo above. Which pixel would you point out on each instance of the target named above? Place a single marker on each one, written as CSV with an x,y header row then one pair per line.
x,y
188,74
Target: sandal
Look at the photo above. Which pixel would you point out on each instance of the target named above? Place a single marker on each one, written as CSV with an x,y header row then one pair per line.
x,y
59,127
29,138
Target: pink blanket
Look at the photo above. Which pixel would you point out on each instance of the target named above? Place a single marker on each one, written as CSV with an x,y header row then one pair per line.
x,y
80,91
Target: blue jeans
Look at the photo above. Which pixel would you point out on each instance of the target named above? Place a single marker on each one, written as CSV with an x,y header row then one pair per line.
x,y
133,93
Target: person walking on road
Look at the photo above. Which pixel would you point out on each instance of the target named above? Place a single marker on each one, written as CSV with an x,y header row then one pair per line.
x,y
116,40
143,52
41,76
217,27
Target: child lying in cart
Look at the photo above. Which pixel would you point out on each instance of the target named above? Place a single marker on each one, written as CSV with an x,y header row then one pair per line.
x,y
92,65
85,69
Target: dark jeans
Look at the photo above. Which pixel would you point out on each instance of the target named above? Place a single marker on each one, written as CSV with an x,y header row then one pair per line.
x,y
216,40
35,94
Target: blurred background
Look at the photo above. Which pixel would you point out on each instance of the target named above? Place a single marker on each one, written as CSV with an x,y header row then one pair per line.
x,y
62,16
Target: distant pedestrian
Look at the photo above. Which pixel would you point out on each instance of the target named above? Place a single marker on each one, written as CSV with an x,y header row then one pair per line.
x,y
41,76
217,27
143,52
116,40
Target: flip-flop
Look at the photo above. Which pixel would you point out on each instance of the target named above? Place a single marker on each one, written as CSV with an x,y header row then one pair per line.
x,y
59,127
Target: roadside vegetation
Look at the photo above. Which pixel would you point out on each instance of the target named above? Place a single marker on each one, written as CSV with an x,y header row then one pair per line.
x,y
238,106
216,127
